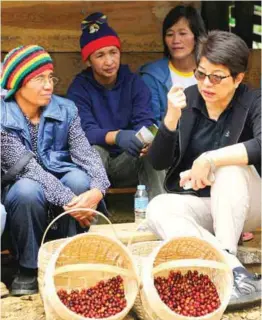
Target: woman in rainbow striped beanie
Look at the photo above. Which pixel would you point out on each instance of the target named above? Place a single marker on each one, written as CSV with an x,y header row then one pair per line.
x,y
41,135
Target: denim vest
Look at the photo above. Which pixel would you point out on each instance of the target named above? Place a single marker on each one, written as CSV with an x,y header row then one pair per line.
x,y
55,120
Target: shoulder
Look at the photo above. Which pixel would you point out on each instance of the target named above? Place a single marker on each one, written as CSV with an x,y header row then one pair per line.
x,y
155,66
248,97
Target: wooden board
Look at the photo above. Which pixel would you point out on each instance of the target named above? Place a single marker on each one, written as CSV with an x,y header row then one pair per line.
x,y
125,232
67,65
55,25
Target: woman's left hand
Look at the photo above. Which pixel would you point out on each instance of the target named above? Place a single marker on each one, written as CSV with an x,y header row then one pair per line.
x,y
88,199
198,175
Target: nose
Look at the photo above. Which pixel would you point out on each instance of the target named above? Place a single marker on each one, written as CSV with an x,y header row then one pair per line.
x,y
109,60
48,84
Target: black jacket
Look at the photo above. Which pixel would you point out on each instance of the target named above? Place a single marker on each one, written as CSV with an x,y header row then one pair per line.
x,y
168,147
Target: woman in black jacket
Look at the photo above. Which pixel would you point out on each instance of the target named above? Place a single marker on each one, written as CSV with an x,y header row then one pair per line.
x,y
210,141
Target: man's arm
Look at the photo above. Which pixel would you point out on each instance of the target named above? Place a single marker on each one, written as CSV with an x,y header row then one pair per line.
x,y
80,96
142,113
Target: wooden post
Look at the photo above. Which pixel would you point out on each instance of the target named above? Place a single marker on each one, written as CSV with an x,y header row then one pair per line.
x,y
244,11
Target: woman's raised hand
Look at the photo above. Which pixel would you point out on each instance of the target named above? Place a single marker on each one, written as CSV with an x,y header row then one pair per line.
x,y
176,101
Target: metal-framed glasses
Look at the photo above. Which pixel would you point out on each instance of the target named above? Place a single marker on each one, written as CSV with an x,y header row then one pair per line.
x,y
42,80
213,78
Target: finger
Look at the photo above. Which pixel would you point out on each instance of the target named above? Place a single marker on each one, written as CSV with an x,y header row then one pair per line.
x,y
206,182
136,142
184,180
194,185
181,105
176,88
73,202
200,184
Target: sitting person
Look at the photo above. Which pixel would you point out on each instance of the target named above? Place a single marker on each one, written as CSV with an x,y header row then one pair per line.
x,y
215,154
113,105
65,171
181,28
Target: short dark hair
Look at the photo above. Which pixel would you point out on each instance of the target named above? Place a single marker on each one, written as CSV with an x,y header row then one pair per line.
x,y
193,17
221,47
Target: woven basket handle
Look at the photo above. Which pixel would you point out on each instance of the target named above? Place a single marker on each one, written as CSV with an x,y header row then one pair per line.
x,y
181,263
77,210
94,267
191,220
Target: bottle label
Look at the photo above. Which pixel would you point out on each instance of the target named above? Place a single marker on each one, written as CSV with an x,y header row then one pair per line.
x,y
141,204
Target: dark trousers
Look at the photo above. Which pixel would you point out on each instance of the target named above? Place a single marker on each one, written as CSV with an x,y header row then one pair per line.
x,y
27,215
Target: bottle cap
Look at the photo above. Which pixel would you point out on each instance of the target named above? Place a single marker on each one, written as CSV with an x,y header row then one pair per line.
x,y
141,187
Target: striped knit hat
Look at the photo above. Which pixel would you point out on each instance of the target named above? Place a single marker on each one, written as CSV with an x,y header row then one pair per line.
x,y
22,64
96,34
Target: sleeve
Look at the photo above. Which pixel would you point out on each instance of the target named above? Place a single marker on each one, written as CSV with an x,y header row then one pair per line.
x,y
78,93
253,146
164,149
87,157
155,98
12,149
142,114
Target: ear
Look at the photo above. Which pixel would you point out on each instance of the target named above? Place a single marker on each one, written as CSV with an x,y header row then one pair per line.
x,y
239,78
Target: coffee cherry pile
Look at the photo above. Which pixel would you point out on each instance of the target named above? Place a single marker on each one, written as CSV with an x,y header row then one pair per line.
x,y
103,300
192,294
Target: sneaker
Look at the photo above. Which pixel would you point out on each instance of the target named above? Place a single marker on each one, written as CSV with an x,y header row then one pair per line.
x,y
24,285
246,289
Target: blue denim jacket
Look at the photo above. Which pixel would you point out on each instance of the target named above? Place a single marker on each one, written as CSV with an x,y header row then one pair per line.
x,y
53,131
157,77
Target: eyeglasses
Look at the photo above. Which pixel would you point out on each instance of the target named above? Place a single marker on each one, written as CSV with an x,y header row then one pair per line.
x,y
213,78
41,80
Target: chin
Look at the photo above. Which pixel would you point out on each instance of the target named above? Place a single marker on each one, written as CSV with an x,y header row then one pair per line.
x,y
44,101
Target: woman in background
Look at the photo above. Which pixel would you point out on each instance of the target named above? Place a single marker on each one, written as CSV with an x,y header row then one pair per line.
x,y
181,28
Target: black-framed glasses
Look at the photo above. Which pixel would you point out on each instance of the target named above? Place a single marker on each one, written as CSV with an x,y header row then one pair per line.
x,y
213,78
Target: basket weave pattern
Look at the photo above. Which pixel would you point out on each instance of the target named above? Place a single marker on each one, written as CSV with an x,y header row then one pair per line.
x,y
182,253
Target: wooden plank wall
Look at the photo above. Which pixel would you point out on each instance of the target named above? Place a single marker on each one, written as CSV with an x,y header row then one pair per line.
x,y
55,25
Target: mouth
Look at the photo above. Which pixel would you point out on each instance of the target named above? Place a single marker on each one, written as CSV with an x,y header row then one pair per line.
x,y
111,70
208,93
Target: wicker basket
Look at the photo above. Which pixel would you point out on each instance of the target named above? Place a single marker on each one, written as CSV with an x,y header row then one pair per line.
x,y
185,253
49,248
81,262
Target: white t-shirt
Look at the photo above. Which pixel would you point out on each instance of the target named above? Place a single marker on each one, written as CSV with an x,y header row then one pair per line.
x,y
186,79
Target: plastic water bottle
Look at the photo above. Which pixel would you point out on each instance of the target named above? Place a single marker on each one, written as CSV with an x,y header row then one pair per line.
x,y
141,202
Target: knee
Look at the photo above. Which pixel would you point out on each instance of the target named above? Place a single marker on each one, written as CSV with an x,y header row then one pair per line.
x,y
155,207
228,173
25,191
77,180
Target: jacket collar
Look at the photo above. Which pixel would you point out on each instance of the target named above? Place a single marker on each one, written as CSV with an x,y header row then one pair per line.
x,y
13,115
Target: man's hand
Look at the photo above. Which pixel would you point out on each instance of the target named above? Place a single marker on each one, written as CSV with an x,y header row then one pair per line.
x,y
144,151
127,140
88,199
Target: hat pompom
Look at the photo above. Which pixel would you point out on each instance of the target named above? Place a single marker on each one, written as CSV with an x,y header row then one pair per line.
x,y
94,18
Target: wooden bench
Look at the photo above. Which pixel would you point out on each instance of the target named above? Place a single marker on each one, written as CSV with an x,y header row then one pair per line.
x,y
131,190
